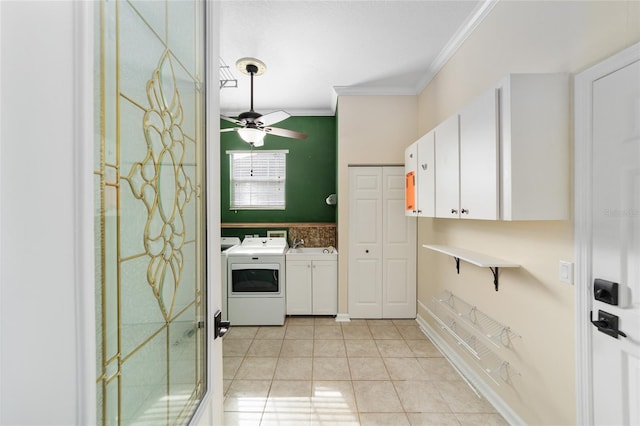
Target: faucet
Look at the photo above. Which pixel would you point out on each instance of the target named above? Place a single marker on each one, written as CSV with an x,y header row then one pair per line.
x,y
297,243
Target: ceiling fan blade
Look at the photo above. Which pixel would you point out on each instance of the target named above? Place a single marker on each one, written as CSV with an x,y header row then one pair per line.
x,y
272,118
233,120
230,129
285,133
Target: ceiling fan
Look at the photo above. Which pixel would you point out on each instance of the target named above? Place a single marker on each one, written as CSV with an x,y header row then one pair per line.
x,y
255,126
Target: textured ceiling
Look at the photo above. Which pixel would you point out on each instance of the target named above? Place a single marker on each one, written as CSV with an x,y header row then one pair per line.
x,y
316,49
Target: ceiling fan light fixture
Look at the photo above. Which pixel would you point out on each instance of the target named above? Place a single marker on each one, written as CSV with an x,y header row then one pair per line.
x,y
254,125
252,136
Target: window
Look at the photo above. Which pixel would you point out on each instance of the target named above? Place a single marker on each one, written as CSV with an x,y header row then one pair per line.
x,y
258,179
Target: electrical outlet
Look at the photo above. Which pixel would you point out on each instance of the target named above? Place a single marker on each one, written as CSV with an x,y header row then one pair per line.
x,y
566,272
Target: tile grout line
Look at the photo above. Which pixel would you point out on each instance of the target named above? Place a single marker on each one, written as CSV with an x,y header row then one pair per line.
x,y
404,338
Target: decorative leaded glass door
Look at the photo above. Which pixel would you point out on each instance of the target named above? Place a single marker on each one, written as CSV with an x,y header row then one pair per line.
x,y
149,192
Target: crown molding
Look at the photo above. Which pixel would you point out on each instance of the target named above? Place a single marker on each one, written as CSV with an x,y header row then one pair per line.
x,y
459,37
373,91
464,31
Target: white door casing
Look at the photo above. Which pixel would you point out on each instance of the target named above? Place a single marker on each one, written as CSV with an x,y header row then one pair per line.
x,y
210,411
46,197
607,228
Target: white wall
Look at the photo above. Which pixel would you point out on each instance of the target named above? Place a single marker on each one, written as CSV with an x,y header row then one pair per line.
x,y
46,241
371,130
535,36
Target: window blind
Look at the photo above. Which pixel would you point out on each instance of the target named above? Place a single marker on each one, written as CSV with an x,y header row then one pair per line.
x,y
258,179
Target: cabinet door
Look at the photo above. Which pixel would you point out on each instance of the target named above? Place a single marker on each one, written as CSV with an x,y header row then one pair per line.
x,y
411,180
325,287
298,287
447,168
479,184
365,241
426,176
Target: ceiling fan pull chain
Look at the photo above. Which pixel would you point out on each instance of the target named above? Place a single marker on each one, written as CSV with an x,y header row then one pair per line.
x,y
251,154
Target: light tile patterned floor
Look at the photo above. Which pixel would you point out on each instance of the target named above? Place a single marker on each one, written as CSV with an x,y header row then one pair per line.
x,y
315,371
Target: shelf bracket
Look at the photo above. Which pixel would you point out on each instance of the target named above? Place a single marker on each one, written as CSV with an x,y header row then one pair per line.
x,y
494,271
457,264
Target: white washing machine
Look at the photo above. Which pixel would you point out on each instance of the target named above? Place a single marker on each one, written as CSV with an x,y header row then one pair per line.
x,y
256,282
226,243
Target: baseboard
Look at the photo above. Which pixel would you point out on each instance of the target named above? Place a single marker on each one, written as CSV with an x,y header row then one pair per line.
x,y
469,374
343,318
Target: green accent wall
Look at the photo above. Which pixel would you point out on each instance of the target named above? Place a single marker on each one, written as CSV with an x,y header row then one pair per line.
x,y
311,172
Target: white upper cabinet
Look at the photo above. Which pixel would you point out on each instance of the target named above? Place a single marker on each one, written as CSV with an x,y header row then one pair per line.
x,y
447,173
479,178
504,155
534,129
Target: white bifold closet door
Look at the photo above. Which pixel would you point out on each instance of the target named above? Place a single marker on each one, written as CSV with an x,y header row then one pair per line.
x,y
382,245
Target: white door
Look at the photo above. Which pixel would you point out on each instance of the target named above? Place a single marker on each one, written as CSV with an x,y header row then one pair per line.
x,y
616,245
398,249
365,242
158,216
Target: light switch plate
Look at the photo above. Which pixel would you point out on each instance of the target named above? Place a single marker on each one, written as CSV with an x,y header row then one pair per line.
x,y
566,272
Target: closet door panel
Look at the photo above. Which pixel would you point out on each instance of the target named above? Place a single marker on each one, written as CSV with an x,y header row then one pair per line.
x,y
399,247
365,242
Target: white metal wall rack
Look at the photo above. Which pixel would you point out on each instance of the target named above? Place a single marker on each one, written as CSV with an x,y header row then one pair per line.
x,y
454,316
474,258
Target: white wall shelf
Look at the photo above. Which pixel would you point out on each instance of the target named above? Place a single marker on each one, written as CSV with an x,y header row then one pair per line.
x,y
474,258
499,370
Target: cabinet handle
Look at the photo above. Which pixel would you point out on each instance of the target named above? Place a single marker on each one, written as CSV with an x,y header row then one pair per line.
x,y
419,211
465,211
424,166
454,211
366,251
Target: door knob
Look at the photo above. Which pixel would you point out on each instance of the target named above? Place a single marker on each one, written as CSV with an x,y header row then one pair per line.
x,y
607,323
220,327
